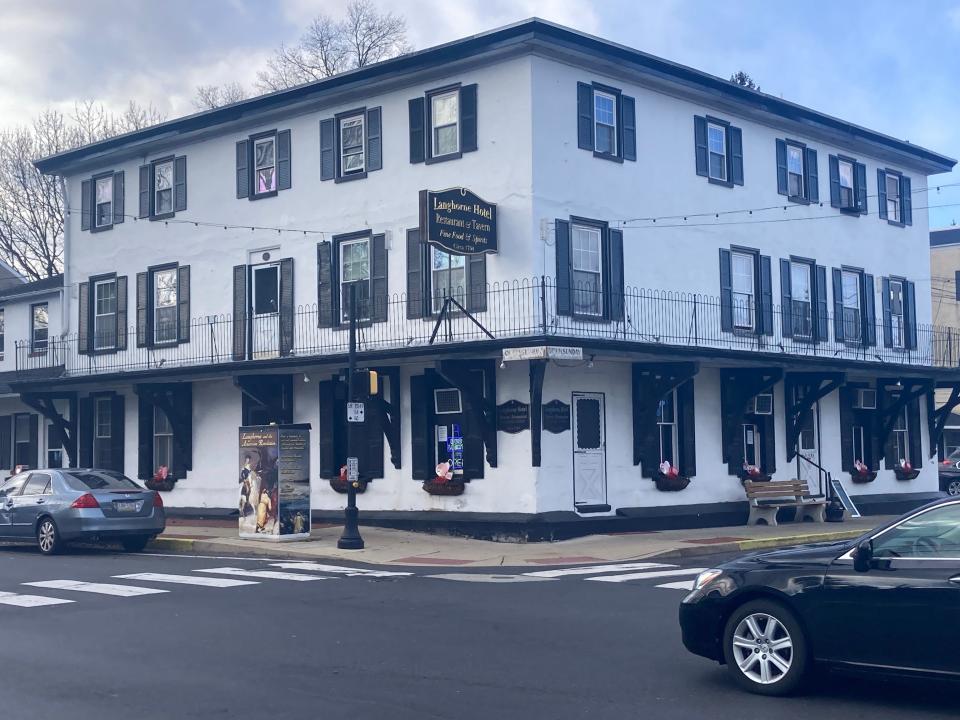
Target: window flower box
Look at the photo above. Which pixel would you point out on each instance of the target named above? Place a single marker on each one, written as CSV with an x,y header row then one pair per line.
x,y
444,482
862,474
341,485
669,479
752,473
905,471
162,480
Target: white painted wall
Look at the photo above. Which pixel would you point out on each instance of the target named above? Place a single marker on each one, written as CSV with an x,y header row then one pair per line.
x,y
16,311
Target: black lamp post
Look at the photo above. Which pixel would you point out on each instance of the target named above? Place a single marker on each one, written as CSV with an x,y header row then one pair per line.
x,y
350,539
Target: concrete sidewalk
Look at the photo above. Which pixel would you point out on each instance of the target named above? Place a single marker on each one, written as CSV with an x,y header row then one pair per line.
x,y
398,547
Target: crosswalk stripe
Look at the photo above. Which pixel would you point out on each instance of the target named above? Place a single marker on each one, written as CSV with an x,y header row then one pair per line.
x,y
9,598
348,571
268,574
597,569
682,585
647,575
99,588
187,580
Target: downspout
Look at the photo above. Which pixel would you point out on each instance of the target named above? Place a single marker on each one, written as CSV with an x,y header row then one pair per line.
x,y
65,291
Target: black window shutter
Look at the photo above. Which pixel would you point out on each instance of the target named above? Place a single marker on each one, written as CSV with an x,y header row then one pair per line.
x,y
284,153
726,291
421,430
834,181
145,192
83,319
243,169
117,424
906,201
118,210
374,157
328,458
183,434
860,184
468,118
378,277
838,333
735,152
782,167
417,112
846,429
956,283
870,312
564,268
786,299
914,440
326,285
700,145
584,116
183,302
287,307
477,283
86,202
239,312
144,438
766,296
6,441
144,336
33,454
371,460
687,429
473,465
180,183
328,162
812,179
85,432
615,286
910,303
882,193
414,275
629,127
821,330
121,316
887,316
768,430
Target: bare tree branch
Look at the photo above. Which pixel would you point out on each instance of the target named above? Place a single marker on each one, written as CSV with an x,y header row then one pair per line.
x,y
209,97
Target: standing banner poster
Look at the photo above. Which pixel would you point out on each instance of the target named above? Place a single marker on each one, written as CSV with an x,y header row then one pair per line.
x,y
274,482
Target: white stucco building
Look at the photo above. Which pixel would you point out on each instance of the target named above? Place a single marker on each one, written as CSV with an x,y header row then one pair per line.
x,y
735,273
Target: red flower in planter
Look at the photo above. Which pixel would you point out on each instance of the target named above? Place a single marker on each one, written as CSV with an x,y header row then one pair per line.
x,y
752,471
162,473
905,466
668,470
444,474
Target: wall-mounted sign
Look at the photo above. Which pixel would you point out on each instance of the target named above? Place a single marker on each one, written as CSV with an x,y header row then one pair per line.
x,y
556,416
543,352
458,221
513,416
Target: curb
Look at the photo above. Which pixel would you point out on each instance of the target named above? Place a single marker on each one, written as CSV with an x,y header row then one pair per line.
x,y
755,544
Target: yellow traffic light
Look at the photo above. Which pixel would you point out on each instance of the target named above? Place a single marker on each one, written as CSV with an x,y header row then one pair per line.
x,y
374,383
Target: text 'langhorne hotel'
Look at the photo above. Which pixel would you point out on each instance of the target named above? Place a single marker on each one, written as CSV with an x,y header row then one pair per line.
x,y
582,260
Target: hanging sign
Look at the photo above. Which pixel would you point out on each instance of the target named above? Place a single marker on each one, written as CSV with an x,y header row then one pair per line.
x,y
556,416
513,416
543,352
458,221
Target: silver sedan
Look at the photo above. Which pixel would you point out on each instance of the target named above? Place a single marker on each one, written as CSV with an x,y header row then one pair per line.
x,y
54,507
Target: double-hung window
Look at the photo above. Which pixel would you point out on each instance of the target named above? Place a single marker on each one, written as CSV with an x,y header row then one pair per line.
x,y
103,202
2,333
162,439
896,197
751,445
797,176
897,313
39,327
163,187
847,192
859,444
605,122
21,439
667,428
445,123
352,153
717,149
105,314
102,432
265,165
850,302
587,265
901,437
893,197
744,289
164,305
801,290
448,277
795,180
355,271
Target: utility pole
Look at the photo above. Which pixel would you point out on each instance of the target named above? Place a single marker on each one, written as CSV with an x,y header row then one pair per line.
x,y
350,539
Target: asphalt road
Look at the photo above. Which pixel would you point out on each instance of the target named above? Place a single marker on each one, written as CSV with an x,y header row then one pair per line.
x,y
363,647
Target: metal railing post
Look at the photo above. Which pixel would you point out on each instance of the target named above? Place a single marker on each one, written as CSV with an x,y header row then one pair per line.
x,y
543,304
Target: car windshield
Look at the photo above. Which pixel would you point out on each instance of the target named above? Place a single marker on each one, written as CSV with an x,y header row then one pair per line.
x,y
934,533
954,456
100,480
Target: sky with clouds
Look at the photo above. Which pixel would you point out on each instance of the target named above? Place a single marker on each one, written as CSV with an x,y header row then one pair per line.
x,y
885,64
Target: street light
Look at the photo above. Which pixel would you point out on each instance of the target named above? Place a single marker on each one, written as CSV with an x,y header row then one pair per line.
x,y
350,538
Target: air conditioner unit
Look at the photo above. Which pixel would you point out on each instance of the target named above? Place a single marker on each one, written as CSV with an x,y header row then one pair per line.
x,y
446,401
865,399
761,404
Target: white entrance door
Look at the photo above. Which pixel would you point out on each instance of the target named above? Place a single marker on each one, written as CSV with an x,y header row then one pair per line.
x,y
807,448
265,320
589,450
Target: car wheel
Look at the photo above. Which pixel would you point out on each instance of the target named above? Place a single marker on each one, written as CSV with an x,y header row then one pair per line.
x,y
48,537
135,544
765,649
953,487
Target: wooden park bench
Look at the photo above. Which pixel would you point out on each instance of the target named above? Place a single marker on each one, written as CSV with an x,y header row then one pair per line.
x,y
766,498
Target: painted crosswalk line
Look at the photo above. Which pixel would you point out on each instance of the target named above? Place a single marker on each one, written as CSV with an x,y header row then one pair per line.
x,y
489,578
647,575
9,598
338,570
216,582
597,569
682,585
98,588
266,574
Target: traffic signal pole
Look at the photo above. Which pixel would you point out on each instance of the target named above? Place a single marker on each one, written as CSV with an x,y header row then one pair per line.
x,y
350,538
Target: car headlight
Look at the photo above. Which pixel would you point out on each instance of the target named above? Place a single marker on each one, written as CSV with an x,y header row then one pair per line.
x,y
705,578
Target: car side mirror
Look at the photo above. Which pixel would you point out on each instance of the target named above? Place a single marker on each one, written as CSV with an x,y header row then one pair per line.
x,y
862,556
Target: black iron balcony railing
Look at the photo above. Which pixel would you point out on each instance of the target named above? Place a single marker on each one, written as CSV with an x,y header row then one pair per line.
x,y
512,311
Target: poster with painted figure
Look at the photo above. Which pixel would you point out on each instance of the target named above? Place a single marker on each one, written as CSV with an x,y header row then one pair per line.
x,y
294,477
258,481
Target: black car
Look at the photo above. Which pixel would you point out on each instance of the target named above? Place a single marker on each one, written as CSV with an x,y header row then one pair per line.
x,y
950,473
888,601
